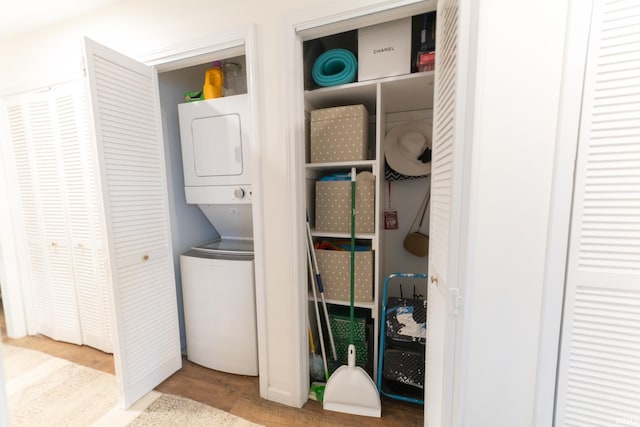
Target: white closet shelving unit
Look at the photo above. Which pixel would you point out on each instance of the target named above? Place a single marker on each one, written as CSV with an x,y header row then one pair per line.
x,y
398,98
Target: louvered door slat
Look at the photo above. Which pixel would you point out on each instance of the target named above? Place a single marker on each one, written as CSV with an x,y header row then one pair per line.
x,y
37,150
443,139
63,295
27,196
48,167
84,221
599,368
24,153
130,148
70,122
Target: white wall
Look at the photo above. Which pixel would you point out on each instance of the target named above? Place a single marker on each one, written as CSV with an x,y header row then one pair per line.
x,y
138,28
189,226
406,198
518,87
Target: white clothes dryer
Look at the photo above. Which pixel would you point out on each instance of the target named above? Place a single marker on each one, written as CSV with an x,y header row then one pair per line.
x,y
218,276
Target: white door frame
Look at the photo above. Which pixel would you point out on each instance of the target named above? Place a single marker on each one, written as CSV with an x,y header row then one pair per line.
x,y
576,44
227,44
300,28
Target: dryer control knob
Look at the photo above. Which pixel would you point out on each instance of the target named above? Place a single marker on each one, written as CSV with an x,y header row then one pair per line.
x,y
239,193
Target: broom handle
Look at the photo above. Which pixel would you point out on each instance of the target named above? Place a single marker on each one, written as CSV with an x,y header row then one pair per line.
x,y
311,249
319,324
353,256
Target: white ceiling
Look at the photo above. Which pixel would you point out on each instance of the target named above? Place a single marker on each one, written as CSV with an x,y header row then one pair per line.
x,y
18,16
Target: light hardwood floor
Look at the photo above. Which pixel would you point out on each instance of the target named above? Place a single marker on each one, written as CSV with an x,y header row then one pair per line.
x,y
236,394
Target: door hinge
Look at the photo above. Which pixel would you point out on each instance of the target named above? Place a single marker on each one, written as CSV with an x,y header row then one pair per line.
x,y
455,301
83,64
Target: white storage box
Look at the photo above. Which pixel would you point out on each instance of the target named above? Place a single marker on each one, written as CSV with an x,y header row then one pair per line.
x,y
384,50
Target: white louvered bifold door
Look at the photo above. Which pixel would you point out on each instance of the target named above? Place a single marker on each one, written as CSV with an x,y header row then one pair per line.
x,y
448,141
443,139
126,119
30,215
39,165
599,365
85,226
55,170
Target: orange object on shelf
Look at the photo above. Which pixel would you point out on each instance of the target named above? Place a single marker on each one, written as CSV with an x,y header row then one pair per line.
x,y
213,81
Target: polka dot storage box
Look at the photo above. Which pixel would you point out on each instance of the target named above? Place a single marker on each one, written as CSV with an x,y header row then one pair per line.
x,y
339,134
333,205
335,267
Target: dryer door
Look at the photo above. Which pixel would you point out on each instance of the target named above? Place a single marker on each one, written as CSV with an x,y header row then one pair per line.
x,y
217,145
215,137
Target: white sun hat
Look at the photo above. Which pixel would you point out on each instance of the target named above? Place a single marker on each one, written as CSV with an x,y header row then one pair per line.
x,y
405,144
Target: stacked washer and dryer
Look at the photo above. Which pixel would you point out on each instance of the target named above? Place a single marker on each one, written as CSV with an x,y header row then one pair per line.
x,y
218,276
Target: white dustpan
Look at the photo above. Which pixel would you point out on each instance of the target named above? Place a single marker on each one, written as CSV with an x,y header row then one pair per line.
x,y
350,389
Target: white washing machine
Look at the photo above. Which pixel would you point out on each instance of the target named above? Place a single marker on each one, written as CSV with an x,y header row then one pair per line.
x,y
218,285
219,306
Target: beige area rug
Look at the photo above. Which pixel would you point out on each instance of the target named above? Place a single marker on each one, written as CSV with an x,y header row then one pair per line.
x,y
43,390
